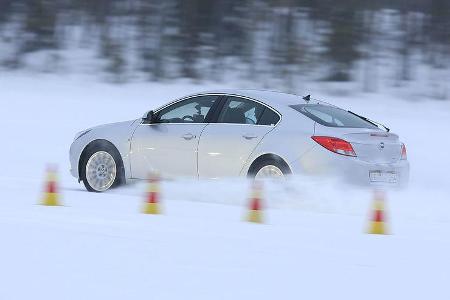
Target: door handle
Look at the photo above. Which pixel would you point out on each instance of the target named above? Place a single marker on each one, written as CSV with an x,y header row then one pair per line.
x,y
249,136
188,136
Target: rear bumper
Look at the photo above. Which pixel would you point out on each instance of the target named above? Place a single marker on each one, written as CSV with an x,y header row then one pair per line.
x,y
321,162
358,172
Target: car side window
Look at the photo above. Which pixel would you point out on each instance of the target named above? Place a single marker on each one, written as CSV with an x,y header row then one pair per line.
x,y
269,117
243,111
192,110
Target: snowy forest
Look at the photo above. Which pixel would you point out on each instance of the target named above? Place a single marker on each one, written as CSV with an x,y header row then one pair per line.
x,y
365,45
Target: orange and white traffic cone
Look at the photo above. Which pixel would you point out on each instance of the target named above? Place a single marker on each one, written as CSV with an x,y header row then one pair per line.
x,y
255,206
51,196
377,223
151,205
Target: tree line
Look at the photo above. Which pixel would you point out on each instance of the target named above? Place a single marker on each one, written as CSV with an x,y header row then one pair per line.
x,y
262,40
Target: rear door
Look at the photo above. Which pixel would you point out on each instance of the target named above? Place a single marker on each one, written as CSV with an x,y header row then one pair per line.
x,y
226,145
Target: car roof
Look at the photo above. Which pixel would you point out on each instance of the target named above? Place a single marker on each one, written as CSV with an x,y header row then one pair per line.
x,y
275,99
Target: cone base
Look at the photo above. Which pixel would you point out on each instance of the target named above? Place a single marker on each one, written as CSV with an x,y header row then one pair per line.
x,y
254,216
377,228
151,209
50,199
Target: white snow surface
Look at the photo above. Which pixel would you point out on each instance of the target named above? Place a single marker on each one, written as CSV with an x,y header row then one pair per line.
x,y
312,246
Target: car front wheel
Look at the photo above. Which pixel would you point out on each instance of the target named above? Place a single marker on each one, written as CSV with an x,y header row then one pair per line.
x,y
101,169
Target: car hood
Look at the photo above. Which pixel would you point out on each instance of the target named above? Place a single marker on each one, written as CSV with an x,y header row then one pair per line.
x,y
108,131
123,124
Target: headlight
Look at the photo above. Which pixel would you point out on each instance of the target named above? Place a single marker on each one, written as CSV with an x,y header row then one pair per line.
x,y
81,133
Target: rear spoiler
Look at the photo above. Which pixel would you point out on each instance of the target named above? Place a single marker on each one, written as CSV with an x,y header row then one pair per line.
x,y
370,121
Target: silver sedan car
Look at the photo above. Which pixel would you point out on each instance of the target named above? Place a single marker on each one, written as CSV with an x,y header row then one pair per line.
x,y
240,133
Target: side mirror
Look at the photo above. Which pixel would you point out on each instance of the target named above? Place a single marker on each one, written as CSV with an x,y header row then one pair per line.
x,y
149,118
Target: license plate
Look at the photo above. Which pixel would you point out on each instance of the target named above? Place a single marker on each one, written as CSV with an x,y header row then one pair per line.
x,y
383,176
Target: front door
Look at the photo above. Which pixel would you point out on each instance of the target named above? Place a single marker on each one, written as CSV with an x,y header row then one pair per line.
x,y
170,145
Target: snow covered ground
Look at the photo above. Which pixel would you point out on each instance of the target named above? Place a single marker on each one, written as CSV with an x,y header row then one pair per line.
x,y
313,246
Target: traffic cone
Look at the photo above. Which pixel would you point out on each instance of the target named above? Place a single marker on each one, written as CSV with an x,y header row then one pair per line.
x,y
377,224
51,196
151,205
255,205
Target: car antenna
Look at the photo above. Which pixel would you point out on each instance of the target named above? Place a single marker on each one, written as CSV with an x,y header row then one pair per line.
x,y
308,98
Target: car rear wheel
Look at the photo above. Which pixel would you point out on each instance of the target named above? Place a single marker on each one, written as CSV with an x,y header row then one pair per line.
x,y
269,168
101,169
269,171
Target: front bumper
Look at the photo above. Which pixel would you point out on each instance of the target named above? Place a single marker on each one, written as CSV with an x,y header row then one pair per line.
x,y
74,155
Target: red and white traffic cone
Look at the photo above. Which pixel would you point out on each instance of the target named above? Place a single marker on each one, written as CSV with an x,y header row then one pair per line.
x,y
255,205
151,205
378,223
51,195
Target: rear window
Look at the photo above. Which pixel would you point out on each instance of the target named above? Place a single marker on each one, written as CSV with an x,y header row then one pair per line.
x,y
332,116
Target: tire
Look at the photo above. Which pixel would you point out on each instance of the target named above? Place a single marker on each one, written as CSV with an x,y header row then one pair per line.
x,y
101,167
271,163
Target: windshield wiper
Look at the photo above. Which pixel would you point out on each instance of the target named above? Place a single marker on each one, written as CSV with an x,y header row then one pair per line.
x,y
370,121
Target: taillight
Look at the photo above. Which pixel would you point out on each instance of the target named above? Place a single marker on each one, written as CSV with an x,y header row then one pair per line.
x,y
335,145
404,156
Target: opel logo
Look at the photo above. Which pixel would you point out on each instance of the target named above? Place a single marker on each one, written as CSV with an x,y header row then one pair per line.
x,y
381,146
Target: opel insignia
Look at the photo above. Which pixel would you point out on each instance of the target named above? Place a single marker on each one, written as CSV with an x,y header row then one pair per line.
x,y
240,133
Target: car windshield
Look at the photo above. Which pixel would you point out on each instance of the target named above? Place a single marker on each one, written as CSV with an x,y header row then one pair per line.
x,y
331,116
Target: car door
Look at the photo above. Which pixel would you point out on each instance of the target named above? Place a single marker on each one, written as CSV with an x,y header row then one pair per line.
x,y
169,146
226,145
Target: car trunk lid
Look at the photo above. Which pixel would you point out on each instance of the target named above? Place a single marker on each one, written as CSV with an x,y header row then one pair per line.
x,y
374,146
